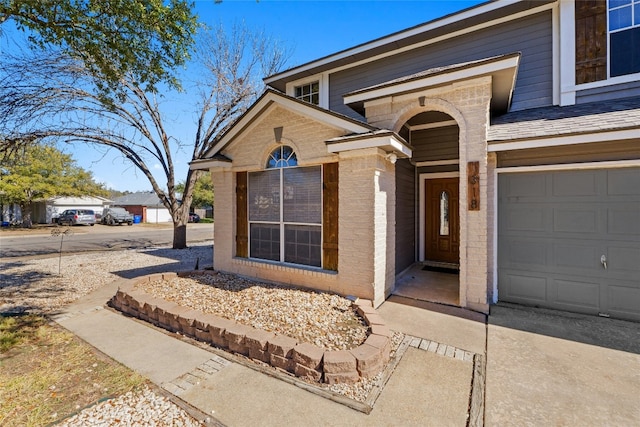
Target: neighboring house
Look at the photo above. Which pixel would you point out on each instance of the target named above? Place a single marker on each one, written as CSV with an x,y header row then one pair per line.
x,y
10,213
503,140
145,204
47,211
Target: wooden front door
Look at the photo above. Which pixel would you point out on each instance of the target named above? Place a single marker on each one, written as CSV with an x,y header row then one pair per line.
x,y
442,238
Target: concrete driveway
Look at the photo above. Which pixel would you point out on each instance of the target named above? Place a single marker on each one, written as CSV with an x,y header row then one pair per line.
x,y
548,368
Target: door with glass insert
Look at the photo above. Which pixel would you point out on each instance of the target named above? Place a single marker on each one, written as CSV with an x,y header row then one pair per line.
x,y
442,238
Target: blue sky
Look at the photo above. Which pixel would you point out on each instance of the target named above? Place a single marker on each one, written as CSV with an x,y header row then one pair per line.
x,y
311,29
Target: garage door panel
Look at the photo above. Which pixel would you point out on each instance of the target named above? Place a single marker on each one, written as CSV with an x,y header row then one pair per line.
x,y
526,219
579,183
624,258
624,301
581,295
624,219
525,253
623,182
576,256
525,289
526,186
575,220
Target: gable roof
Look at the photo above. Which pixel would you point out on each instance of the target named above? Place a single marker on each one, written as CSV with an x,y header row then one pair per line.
x,y
484,15
502,68
268,100
143,198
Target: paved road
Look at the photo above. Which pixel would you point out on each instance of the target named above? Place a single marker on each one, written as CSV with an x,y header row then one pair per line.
x,y
96,238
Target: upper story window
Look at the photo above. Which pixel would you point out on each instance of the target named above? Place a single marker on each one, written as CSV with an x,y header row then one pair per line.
x,y
624,37
623,14
309,92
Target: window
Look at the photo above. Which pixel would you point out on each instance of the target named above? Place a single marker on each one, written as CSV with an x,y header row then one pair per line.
x,y
444,213
624,37
285,211
309,92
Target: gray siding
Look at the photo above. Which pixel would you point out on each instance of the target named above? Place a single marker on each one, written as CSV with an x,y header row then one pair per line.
x,y
606,93
532,36
435,144
405,214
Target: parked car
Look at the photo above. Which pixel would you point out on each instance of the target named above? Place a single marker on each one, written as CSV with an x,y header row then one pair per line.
x,y
77,216
194,217
113,216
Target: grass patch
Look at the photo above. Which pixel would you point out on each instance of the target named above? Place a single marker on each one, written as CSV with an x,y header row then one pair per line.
x,y
206,220
48,374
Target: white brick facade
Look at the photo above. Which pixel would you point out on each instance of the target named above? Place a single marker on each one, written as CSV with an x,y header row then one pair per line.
x,y
366,236
366,191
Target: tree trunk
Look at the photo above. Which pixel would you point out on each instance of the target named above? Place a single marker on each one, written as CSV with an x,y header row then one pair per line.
x,y
179,236
26,215
180,229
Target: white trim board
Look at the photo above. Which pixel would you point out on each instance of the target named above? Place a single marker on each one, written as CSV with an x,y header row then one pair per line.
x,y
613,164
554,141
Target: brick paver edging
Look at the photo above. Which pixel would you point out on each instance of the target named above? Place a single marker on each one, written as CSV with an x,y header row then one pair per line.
x,y
304,360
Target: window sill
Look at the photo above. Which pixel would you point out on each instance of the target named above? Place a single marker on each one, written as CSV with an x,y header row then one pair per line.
x,y
283,266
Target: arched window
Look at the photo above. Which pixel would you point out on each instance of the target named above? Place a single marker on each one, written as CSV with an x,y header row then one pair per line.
x,y
282,157
285,210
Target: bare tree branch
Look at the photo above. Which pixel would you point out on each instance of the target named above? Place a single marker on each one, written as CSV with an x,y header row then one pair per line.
x,y
51,97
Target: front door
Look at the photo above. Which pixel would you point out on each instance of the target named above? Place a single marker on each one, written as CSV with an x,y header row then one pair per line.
x,y
442,240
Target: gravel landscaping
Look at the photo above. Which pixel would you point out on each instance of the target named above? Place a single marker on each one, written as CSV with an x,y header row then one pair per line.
x,y
326,320
34,286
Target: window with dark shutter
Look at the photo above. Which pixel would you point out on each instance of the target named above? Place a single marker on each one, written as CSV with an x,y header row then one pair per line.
x,y
285,211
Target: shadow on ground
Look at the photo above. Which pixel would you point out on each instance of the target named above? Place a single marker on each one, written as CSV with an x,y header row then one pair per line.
x,y
440,308
9,279
602,332
189,259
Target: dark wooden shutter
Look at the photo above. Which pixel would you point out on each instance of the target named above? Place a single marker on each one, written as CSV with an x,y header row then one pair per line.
x,y
242,227
591,40
330,216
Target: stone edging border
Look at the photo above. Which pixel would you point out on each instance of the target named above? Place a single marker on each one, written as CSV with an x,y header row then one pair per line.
x,y
284,353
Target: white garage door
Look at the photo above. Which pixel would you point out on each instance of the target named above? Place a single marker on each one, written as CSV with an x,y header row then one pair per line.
x,y
570,240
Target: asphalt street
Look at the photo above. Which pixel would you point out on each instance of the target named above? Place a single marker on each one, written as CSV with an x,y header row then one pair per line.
x,y
84,238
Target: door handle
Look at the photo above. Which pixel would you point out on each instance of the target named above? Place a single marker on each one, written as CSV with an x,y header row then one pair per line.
x,y
603,261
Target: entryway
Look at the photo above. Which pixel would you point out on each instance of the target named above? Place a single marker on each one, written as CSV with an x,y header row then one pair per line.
x,y
436,277
427,285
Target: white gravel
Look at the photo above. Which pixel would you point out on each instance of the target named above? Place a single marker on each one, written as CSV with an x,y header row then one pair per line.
x,y
326,320
140,409
34,285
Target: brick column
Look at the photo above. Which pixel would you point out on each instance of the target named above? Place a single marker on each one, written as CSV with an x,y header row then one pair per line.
x,y
224,214
367,223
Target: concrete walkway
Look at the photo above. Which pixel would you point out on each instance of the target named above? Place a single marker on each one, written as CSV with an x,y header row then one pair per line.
x,y
542,368
426,388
